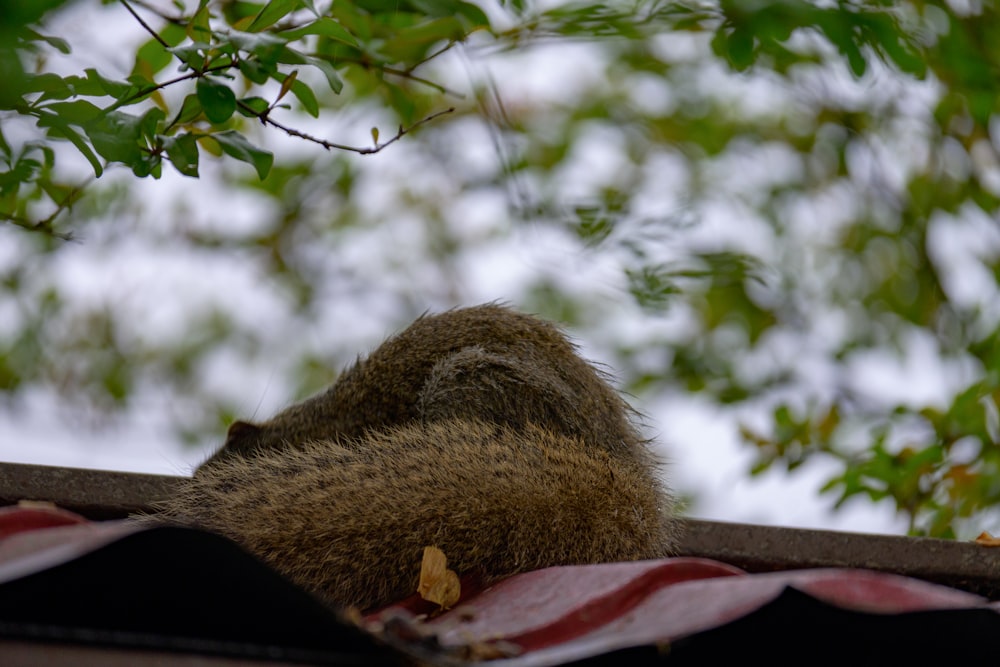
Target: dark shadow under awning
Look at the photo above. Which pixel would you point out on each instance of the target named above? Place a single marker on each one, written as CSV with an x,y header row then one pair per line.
x,y
173,591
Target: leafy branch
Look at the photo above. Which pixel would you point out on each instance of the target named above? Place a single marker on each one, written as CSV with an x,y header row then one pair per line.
x,y
258,44
45,226
329,145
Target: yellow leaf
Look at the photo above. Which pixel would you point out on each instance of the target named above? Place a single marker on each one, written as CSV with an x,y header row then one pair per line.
x,y
437,583
987,540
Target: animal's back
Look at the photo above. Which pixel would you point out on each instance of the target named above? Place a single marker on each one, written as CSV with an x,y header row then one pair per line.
x,y
479,431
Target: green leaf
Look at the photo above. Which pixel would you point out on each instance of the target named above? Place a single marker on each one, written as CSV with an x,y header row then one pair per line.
x,y
140,81
199,27
76,112
402,102
52,86
182,151
895,43
147,164
190,110
218,101
83,86
272,12
325,27
122,137
252,107
236,145
306,97
17,15
474,15
737,47
292,57
193,55
116,137
151,58
380,6
336,84
593,224
61,130
48,154
652,287
57,43
256,71
116,89
442,8
838,28
265,47
151,121
412,43
173,34
23,171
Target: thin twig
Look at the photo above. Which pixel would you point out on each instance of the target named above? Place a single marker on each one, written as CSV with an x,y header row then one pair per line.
x,y
42,227
406,74
431,56
145,25
177,20
329,145
402,73
45,226
152,89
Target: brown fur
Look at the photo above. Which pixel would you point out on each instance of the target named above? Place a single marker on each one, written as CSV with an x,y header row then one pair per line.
x,y
479,431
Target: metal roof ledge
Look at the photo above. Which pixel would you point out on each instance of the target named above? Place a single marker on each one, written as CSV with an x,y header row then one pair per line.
x,y
89,590
101,494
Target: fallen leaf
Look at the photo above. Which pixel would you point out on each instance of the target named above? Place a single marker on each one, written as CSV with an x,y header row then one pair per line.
x,y
987,540
437,583
36,504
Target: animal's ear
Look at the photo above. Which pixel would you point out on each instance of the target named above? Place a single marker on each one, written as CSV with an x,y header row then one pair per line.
x,y
242,436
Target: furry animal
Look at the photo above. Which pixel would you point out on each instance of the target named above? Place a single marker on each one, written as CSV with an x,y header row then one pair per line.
x,y
478,430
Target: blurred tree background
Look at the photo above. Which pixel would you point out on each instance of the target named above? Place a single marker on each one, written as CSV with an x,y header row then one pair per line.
x,y
786,209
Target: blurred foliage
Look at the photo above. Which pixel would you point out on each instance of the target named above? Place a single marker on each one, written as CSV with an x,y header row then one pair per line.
x,y
799,188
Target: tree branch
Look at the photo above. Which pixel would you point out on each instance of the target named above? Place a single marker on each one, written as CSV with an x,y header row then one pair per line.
x,y
41,226
176,20
430,57
265,118
406,74
402,73
45,226
329,145
145,25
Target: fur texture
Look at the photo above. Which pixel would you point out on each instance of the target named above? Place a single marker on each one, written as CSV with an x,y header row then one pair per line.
x,y
479,431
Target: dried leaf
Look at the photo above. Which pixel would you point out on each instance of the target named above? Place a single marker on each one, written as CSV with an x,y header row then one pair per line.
x,y
437,583
36,504
287,84
987,540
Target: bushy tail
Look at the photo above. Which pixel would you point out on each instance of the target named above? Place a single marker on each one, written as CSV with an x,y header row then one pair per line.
x,y
349,520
